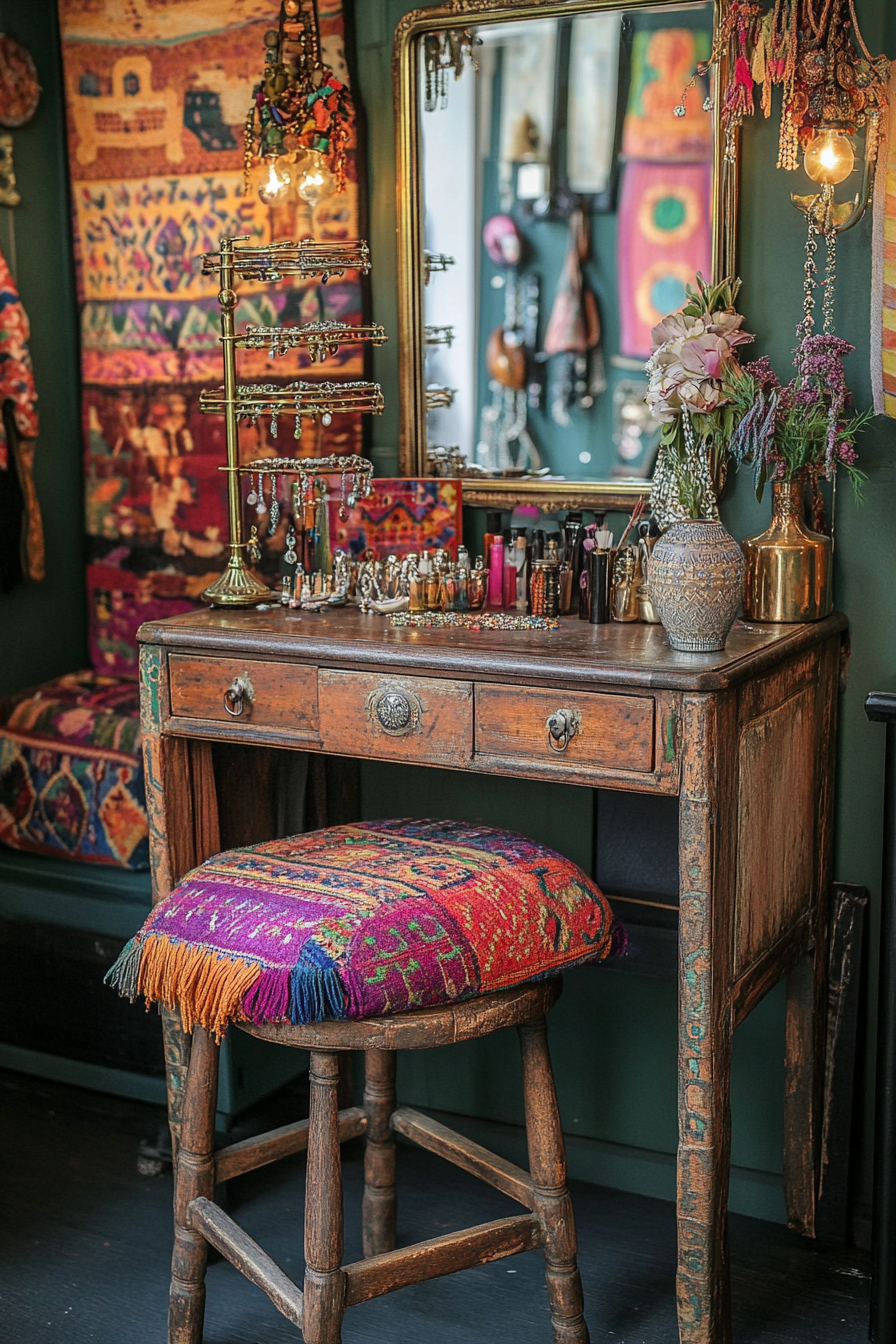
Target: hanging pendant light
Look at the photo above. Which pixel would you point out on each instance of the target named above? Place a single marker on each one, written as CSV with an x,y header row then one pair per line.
x,y
313,178
274,179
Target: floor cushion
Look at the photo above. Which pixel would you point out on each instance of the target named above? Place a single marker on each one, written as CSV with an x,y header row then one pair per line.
x,y
71,771
362,920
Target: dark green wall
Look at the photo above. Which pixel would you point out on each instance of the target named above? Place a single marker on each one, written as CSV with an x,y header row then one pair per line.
x,y
43,626
623,1028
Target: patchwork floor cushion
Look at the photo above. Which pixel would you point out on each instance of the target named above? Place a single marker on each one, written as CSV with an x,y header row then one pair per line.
x,y
71,771
362,920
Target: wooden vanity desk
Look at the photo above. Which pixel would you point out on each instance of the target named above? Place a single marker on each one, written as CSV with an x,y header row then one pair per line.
x,y
744,738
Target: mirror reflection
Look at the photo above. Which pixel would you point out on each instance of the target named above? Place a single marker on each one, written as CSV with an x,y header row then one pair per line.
x,y
565,207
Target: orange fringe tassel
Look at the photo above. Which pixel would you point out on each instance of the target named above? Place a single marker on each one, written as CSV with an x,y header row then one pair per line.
x,y
207,988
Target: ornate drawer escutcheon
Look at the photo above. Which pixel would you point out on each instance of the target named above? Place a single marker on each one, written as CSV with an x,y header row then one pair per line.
x,y
398,712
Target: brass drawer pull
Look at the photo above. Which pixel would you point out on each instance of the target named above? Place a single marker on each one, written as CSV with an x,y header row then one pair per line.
x,y
238,692
396,711
562,727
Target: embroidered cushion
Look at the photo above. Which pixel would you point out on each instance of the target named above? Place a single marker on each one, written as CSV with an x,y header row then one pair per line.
x,y
362,920
71,771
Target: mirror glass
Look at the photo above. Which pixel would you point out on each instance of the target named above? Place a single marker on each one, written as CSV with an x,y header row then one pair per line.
x,y
556,208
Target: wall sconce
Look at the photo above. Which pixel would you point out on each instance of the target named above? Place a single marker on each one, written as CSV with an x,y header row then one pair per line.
x,y
828,160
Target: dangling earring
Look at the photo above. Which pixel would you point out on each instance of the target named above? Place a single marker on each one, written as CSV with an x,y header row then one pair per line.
x,y
253,546
343,511
291,556
275,507
252,497
273,422
260,507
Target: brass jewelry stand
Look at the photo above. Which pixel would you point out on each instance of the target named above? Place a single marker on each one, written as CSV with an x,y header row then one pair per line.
x,y
238,586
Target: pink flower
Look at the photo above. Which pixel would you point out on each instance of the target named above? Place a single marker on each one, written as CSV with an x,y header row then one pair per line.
x,y
729,325
705,355
675,327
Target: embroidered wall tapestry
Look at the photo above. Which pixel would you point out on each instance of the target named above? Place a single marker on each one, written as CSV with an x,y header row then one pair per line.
x,y
157,93
21,529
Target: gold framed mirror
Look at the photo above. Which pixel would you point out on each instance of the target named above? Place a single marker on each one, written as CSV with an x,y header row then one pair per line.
x,y
542,158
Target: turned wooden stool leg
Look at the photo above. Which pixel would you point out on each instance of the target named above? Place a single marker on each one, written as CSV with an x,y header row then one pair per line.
x,y
379,1154
194,1177
324,1280
547,1164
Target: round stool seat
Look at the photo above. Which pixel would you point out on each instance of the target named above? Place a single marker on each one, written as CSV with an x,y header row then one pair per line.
x,y
365,921
420,1030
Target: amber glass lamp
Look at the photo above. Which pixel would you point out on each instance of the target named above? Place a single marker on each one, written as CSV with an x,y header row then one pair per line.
x,y
829,156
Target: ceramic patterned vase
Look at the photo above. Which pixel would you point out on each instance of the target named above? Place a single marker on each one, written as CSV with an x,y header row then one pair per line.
x,y
696,581
788,567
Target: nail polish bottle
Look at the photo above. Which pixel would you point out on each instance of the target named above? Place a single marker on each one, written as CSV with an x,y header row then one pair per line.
x,y
493,533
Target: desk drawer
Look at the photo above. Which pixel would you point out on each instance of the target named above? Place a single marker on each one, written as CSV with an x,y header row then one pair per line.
x,y
415,719
279,696
613,732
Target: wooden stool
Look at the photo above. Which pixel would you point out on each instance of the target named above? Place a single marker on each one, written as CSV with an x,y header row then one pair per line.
x,y
329,1286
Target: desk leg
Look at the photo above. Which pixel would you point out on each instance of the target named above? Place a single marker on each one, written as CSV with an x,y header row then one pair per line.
x,y
704,1052
180,772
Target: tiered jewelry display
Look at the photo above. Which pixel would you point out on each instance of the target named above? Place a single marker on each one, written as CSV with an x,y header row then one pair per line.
x,y
237,586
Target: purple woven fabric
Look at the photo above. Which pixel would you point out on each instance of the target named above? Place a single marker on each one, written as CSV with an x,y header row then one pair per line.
x,y
357,921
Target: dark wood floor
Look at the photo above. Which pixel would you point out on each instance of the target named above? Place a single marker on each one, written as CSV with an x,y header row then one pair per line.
x,y
86,1245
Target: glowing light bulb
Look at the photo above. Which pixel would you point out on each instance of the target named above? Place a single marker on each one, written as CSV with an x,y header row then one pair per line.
x,y
829,156
314,181
275,180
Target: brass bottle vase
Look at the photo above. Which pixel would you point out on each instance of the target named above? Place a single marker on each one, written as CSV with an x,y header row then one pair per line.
x,y
788,574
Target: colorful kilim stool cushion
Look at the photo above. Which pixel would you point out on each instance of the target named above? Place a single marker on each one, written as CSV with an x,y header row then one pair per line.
x,y
71,771
362,920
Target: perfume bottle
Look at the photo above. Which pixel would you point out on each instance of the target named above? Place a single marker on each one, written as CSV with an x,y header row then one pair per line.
x,y
478,585
463,587
433,591
416,592
449,590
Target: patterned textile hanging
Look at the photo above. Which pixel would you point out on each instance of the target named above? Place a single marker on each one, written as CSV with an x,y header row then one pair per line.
x,y
21,529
